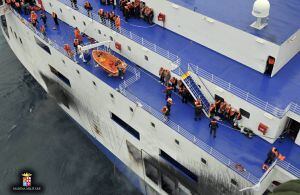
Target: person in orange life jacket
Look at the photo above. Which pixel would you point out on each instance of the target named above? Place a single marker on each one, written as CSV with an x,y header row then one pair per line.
x,y
165,111
169,103
43,17
43,29
75,44
213,125
88,7
33,18
67,48
55,18
272,155
222,110
77,35
212,110
118,23
168,91
198,108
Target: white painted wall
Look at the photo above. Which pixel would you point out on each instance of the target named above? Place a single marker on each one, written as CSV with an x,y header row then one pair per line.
x,y
229,41
287,51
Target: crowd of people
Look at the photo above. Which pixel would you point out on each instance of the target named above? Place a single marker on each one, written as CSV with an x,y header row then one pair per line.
x,y
225,111
137,9
110,17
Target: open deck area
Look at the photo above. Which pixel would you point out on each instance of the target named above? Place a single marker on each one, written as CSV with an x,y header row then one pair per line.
x,y
228,141
278,91
283,19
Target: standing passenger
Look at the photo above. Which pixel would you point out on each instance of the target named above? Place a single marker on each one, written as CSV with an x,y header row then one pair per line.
x,y
55,18
213,127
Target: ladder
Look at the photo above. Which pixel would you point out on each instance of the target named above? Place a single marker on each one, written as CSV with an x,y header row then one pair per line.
x,y
195,90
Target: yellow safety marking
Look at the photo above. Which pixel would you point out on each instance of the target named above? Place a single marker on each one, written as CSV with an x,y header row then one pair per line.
x,y
184,76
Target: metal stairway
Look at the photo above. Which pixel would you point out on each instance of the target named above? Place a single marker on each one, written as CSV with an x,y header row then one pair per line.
x,y
195,90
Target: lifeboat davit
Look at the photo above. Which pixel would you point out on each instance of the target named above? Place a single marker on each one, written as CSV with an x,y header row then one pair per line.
x,y
109,62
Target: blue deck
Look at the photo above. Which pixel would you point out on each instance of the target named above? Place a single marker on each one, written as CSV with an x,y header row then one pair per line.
x,y
278,91
283,19
228,141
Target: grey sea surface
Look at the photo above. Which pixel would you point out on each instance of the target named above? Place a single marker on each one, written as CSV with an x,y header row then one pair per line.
x,y
36,135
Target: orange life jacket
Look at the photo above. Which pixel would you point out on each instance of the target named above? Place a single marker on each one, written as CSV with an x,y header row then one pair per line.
x,y
118,22
33,17
67,48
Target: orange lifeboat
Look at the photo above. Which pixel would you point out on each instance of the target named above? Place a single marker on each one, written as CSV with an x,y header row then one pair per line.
x,y
109,62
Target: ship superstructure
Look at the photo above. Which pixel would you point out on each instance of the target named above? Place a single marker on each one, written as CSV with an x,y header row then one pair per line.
x,y
215,56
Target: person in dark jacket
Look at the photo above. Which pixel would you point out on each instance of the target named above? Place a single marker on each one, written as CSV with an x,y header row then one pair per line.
x,y
213,127
44,18
198,108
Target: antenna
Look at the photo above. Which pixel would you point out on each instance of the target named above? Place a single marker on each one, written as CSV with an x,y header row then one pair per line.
x,y
261,10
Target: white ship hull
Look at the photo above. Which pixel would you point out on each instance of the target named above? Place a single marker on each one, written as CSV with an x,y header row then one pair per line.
x,y
91,105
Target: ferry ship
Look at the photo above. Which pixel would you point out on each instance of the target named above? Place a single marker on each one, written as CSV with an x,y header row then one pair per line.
x,y
241,54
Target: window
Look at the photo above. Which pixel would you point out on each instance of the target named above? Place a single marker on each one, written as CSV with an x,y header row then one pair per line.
x,y
151,171
94,83
179,166
42,45
244,113
219,98
4,25
167,184
131,109
84,23
77,71
15,35
129,48
111,95
63,61
60,76
99,32
110,37
152,124
21,41
203,161
176,141
10,29
60,10
74,18
234,182
125,126
146,58
50,4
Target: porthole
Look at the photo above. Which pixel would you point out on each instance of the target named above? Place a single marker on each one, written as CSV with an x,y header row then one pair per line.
x,y
146,58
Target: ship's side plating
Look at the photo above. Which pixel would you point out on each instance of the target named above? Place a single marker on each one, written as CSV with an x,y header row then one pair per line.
x,y
97,108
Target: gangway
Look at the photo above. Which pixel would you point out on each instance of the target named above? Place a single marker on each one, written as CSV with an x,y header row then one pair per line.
x,y
195,90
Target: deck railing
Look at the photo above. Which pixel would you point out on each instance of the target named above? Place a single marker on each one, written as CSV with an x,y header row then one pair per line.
x,y
265,106
123,31
275,111
197,141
